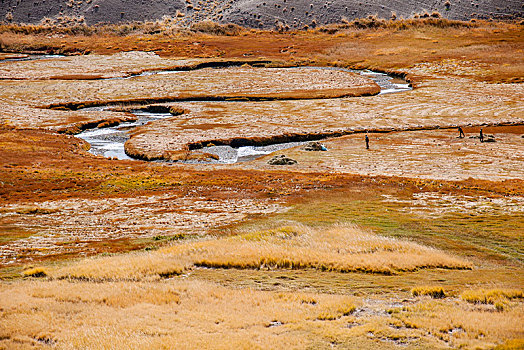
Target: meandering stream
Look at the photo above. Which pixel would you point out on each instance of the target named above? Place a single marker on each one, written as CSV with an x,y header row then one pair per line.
x,y
109,142
31,57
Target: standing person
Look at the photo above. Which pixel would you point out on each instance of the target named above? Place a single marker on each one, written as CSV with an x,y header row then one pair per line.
x,y
461,133
481,136
367,141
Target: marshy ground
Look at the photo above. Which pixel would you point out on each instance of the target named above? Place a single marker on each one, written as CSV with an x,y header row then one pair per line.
x,y
416,242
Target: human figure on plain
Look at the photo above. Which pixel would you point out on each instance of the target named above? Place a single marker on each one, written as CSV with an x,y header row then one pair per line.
x,y
367,141
461,133
481,137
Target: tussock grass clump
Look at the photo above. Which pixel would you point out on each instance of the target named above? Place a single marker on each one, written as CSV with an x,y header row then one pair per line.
x,y
75,25
434,19
491,296
434,292
336,310
60,27
341,248
35,272
465,326
128,267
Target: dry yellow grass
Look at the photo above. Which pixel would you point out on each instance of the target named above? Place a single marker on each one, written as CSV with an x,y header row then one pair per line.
x,y
491,296
338,248
432,291
132,306
35,272
513,344
133,266
341,248
188,313
461,325
162,315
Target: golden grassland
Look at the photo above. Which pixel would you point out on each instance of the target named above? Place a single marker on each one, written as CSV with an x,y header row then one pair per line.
x,y
480,228
432,263
462,325
160,315
450,65
433,154
339,248
196,314
491,296
460,102
164,305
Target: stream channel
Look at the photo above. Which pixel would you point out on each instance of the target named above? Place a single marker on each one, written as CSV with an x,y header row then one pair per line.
x,y
109,142
31,58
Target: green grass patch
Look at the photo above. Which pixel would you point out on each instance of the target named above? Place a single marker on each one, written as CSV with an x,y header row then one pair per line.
x,y
10,233
133,183
494,236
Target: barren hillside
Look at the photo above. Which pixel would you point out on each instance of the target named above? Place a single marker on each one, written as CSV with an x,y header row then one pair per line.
x,y
252,13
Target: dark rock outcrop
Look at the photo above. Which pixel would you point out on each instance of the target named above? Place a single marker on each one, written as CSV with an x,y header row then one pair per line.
x,y
314,146
281,160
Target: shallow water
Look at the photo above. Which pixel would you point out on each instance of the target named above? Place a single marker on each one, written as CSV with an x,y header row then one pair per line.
x,y
387,83
230,155
109,142
31,58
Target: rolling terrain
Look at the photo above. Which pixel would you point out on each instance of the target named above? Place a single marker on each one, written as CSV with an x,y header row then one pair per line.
x,y
413,243
291,14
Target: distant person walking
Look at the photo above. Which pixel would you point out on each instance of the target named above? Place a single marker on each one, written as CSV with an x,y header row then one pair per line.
x,y
367,141
481,136
461,133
